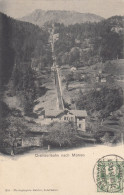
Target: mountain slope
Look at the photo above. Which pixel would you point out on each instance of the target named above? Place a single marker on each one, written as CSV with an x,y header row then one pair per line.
x,y
40,17
20,42
87,43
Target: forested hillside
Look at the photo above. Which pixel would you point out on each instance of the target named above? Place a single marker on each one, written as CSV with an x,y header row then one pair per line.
x,y
20,42
88,43
22,46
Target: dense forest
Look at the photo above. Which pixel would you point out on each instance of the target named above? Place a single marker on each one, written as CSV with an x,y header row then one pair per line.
x,y
21,42
22,45
87,43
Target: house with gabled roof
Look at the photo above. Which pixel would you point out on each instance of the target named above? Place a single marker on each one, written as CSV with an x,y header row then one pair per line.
x,y
76,116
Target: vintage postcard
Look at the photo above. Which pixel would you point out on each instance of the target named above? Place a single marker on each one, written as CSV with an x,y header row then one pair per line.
x,y
61,97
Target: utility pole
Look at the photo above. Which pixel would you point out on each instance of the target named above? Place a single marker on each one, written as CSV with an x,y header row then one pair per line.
x,y
53,30
122,138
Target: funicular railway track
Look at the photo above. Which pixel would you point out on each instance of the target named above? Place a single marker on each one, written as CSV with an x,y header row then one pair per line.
x,y
60,104
59,91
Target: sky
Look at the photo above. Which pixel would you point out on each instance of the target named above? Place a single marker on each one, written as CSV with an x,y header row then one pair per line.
x,y
104,8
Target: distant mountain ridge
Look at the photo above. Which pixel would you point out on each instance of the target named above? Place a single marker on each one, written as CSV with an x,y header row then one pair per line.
x,y
40,17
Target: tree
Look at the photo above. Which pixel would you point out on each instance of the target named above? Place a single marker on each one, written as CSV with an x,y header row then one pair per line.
x,y
74,55
112,44
69,77
23,80
17,129
62,134
12,128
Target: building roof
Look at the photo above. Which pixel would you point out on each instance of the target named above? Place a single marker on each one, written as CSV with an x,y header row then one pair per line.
x,y
53,113
73,68
79,113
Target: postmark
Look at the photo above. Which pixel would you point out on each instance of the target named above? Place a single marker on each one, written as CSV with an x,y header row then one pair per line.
x,y
108,174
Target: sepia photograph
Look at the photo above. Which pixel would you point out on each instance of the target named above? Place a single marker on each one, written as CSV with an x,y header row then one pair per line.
x,y
62,88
